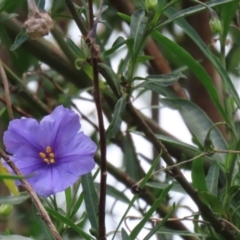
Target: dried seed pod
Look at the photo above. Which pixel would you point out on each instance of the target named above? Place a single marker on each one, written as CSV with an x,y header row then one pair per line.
x,y
38,25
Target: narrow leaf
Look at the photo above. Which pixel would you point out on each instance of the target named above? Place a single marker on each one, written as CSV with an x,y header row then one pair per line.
x,y
207,52
141,185
198,176
124,235
192,10
14,237
227,13
69,223
75,48
149,213
14,200
45,229
194,66
212,179
130,158
19,40
137,27
120,41
90,199
198,123
159,225
116,121
111,78
113,192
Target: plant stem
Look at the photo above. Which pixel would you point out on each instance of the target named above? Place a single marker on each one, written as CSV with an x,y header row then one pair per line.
x,y
42,211
177,174
6,90
90,40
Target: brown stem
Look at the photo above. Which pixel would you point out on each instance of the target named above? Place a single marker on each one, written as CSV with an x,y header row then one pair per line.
x,y
90,40
42,212
177,174
6,90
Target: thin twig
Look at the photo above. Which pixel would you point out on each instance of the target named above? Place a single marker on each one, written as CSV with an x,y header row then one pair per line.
x,y
6,90
16,108
91,42
206,212
42,211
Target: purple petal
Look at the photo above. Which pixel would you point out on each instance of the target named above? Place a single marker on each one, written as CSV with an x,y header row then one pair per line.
x,y
58,127
57,178
20,138
80,144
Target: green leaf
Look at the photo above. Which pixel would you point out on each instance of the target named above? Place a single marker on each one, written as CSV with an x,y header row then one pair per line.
x,y
111,78
207,52
69,223
124,235
124,17
137,28
19,40
116,121
75,49
130,158
77,206
115,193
198,123
14,200
120,41
141,185
40,4
227,13
90,199
212,179
68,198
194,66
44,228
5,176
192,10
166,231
159,225
4,18
159,185
214,202
142,59
198,176
149,213
14,237
162,80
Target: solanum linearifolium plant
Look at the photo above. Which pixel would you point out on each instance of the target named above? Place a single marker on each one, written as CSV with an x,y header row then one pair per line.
x,y
84,88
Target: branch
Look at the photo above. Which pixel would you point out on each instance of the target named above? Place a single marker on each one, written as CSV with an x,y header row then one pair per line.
x,y
177,174
95,53
42,212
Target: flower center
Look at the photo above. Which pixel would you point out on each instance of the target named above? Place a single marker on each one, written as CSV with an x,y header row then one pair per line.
x,y
48,156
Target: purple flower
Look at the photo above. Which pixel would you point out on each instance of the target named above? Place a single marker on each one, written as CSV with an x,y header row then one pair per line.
x,y
53,150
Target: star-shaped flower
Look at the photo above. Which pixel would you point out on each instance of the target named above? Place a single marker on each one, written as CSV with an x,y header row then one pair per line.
x,y
53,150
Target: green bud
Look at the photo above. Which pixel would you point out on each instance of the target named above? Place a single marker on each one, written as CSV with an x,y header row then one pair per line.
x,y
151,4
215,23
5,210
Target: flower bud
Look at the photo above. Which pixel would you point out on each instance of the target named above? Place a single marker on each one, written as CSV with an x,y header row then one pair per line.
x,y
6,210
215,23
38,25
151,4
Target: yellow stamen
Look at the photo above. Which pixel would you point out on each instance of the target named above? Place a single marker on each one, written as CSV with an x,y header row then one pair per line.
x,y
51,160
42,155
48,157
46,160
48,149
